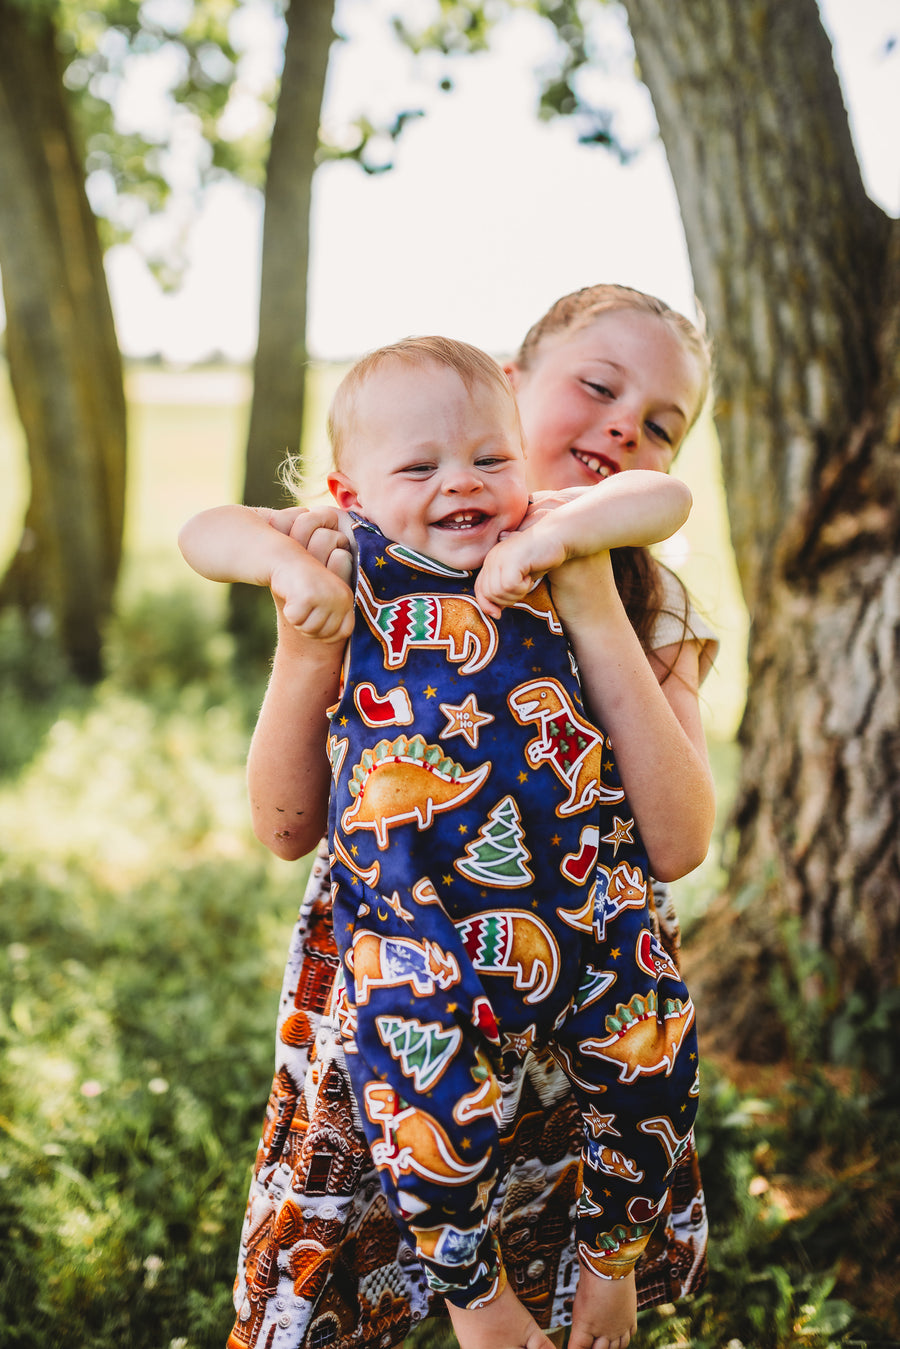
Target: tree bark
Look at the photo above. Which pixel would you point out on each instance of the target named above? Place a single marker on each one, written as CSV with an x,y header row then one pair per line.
x,y
63,354
797,271
276,415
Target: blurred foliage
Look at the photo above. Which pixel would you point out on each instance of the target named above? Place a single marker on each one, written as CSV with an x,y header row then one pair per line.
x,y
578,45
142,938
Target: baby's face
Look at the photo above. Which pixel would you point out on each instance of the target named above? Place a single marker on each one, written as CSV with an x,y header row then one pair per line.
x,y
437,467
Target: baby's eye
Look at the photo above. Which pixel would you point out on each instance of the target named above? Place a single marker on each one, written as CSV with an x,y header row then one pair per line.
x,y
489,460
601,389
418,470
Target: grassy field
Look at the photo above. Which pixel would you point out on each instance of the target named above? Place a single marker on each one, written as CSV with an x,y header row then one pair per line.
x,y
142,939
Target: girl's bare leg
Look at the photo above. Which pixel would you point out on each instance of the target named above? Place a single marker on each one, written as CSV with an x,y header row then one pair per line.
x,y
503,1324
604,1314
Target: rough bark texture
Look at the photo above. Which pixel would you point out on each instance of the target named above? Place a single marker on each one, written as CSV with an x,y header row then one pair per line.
x,y
63,354
797,272
276,415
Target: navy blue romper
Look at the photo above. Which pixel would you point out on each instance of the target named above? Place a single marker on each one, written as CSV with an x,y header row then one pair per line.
x,y
490,894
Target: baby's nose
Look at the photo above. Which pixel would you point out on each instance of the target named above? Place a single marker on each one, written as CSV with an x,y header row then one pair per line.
x,y
462,480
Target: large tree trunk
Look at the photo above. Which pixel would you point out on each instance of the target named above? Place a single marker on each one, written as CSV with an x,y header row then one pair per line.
x,y
276,416
798,275
63,355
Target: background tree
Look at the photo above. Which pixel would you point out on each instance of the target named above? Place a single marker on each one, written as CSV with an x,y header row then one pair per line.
x,y
63,356
61,66
797,272
279,369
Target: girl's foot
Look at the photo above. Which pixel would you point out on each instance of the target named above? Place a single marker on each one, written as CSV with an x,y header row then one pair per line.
x,y
503,1324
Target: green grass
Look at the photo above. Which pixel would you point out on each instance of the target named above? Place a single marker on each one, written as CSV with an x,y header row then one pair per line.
x,y
142,940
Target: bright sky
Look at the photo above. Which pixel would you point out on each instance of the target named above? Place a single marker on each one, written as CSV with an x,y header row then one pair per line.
x,y
488,215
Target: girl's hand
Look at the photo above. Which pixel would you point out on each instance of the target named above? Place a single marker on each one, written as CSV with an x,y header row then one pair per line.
x,y
582,587
314,600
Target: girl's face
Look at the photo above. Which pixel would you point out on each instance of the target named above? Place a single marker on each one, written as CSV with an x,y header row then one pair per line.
x,y
620,393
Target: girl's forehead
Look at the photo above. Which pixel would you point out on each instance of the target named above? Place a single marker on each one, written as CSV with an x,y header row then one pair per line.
x,y
617,327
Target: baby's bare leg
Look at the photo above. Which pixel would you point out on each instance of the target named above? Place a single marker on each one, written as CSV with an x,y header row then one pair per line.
x,y
604,1314
502,1324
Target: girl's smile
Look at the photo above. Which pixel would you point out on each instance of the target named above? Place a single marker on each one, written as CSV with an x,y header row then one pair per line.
x,y
619,393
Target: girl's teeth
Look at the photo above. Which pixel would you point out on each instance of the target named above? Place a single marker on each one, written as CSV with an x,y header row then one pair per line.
x,y
595,465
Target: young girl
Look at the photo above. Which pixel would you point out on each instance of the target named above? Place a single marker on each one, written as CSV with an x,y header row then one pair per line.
x,y
609,379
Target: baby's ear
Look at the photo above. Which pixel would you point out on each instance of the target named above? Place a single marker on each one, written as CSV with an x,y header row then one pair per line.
x,y
343,491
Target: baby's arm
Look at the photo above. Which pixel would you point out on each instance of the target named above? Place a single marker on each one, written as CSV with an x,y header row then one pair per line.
x,y
274,549
631,509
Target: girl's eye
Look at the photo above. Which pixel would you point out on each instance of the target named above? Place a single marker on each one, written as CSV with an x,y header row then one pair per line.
x,y
659,431
599,388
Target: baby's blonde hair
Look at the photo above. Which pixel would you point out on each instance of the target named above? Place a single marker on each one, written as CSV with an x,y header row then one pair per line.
x,y
473,366
582,307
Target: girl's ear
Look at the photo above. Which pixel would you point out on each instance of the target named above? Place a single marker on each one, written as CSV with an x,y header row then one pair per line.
x,y
512,372
343,491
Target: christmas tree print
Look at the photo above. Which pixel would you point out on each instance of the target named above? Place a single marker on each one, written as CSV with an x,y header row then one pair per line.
x,y
497,855
423,1049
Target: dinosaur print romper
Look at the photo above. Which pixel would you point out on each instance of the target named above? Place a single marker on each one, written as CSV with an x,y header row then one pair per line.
x,y
490,895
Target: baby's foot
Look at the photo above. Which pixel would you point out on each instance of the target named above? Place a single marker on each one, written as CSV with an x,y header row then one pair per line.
x,y
503,1324
604,1314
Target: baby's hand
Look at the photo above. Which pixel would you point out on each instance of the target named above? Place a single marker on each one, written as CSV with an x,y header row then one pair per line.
x,y
313,599
319,532
512,568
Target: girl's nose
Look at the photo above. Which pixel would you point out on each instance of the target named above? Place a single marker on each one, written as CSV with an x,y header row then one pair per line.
x,y
626,430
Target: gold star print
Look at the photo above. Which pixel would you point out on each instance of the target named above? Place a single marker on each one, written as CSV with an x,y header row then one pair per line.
x,y
556,840
430,692
463,828
528,642
464,719
620,833
354,850
523,776
448,880
608,766
616,952
465,1143
380,562
343,721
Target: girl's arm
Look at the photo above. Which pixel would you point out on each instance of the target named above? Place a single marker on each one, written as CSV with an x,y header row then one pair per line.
x,y
655,730
268,548
635,508
288,773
